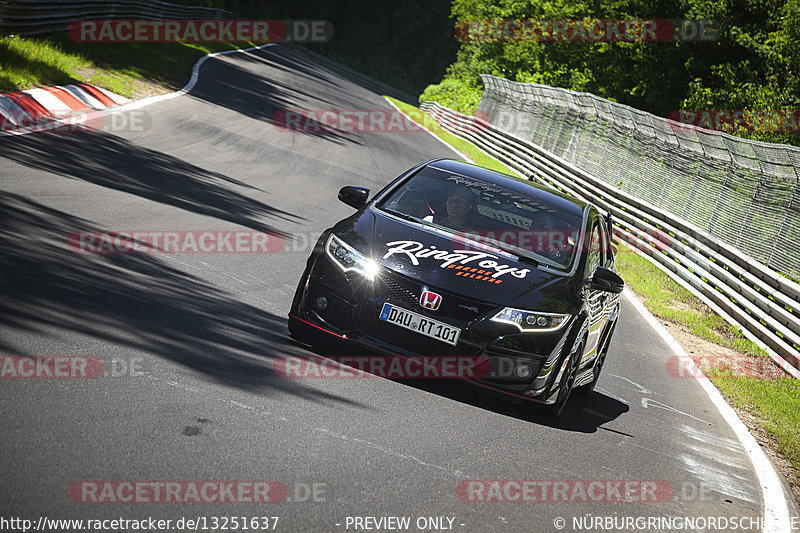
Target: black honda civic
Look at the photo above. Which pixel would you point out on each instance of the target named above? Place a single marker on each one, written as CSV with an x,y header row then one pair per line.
x,y
455,260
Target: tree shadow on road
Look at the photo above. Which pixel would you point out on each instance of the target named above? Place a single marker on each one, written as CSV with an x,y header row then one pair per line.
x,y
241,83
110,161
134,301
583,413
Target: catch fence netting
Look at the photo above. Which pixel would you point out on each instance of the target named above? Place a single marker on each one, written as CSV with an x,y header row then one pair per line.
x,y
744,193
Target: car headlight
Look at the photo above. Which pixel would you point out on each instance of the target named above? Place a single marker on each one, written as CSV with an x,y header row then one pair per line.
x,y
348,259
531,320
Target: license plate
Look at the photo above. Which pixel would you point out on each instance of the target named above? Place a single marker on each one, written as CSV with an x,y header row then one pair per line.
x,y
419,323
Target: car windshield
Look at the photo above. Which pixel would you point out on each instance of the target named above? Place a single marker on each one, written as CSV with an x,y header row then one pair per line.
x,y
484,212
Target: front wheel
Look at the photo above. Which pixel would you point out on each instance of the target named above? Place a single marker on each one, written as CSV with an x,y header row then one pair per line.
x,y
598,366
565,385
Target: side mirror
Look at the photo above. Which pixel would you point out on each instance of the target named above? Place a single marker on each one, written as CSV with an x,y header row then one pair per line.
x,y
354,196
606,280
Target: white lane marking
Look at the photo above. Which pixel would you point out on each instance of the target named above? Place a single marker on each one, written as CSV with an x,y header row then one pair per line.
x,y
776,509
649,402
388,451
329,432
612,395
190,84
643,390
127,107
460,154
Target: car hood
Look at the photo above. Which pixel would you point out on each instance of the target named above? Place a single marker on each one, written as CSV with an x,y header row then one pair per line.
x,y
451,263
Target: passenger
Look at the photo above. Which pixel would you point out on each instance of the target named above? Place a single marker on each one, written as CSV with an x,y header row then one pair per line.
x,y
552,246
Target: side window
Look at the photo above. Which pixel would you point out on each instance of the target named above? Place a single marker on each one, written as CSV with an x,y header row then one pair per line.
x,y
605,250
595,250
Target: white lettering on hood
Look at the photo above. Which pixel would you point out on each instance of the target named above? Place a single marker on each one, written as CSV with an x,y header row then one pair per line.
x,y
415,251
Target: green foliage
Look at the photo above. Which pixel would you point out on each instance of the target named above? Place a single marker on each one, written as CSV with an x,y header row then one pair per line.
x,y
55,60
407,44
752,64
455,94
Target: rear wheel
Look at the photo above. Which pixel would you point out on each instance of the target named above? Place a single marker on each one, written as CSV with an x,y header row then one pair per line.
x,y
566,383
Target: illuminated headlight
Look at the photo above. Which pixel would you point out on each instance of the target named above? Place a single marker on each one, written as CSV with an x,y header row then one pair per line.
x,y
530,320
349,259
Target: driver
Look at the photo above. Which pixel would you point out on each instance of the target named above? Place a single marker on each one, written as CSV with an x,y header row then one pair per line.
x,y
461,210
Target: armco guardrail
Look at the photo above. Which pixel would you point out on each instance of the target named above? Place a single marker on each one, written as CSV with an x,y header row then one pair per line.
x,y
31,17
744,193
762,302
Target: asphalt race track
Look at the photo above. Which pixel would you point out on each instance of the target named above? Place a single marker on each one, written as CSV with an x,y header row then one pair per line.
x,y
188,341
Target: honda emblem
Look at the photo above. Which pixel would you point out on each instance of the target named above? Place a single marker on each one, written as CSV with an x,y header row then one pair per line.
x,y
430,300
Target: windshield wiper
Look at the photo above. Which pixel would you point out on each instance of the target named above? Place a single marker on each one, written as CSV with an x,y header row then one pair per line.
x,y
404,216
524,255
500,245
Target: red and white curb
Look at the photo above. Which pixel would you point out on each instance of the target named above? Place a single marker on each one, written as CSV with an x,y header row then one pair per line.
x,y
15,106
49,107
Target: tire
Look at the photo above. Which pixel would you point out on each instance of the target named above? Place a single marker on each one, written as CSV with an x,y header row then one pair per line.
x,y
587,389
565,385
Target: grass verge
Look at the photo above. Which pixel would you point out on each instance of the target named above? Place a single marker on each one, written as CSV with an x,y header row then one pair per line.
x,y
133,70
473,152
774,403
667,300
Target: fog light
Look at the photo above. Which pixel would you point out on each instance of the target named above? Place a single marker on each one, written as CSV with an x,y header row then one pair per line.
x,y
321,303
522,371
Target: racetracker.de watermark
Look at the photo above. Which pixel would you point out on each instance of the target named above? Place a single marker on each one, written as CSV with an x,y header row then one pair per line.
x,y
368,120
736,120
544,241
570,490
174,242
133,121
585,30
698,366
177,492
50,367
385,366
199,31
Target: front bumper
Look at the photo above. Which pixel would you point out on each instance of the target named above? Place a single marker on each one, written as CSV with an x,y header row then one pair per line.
x,y
352,304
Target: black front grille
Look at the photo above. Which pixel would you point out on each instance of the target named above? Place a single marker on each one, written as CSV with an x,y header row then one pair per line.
x,y
406,292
